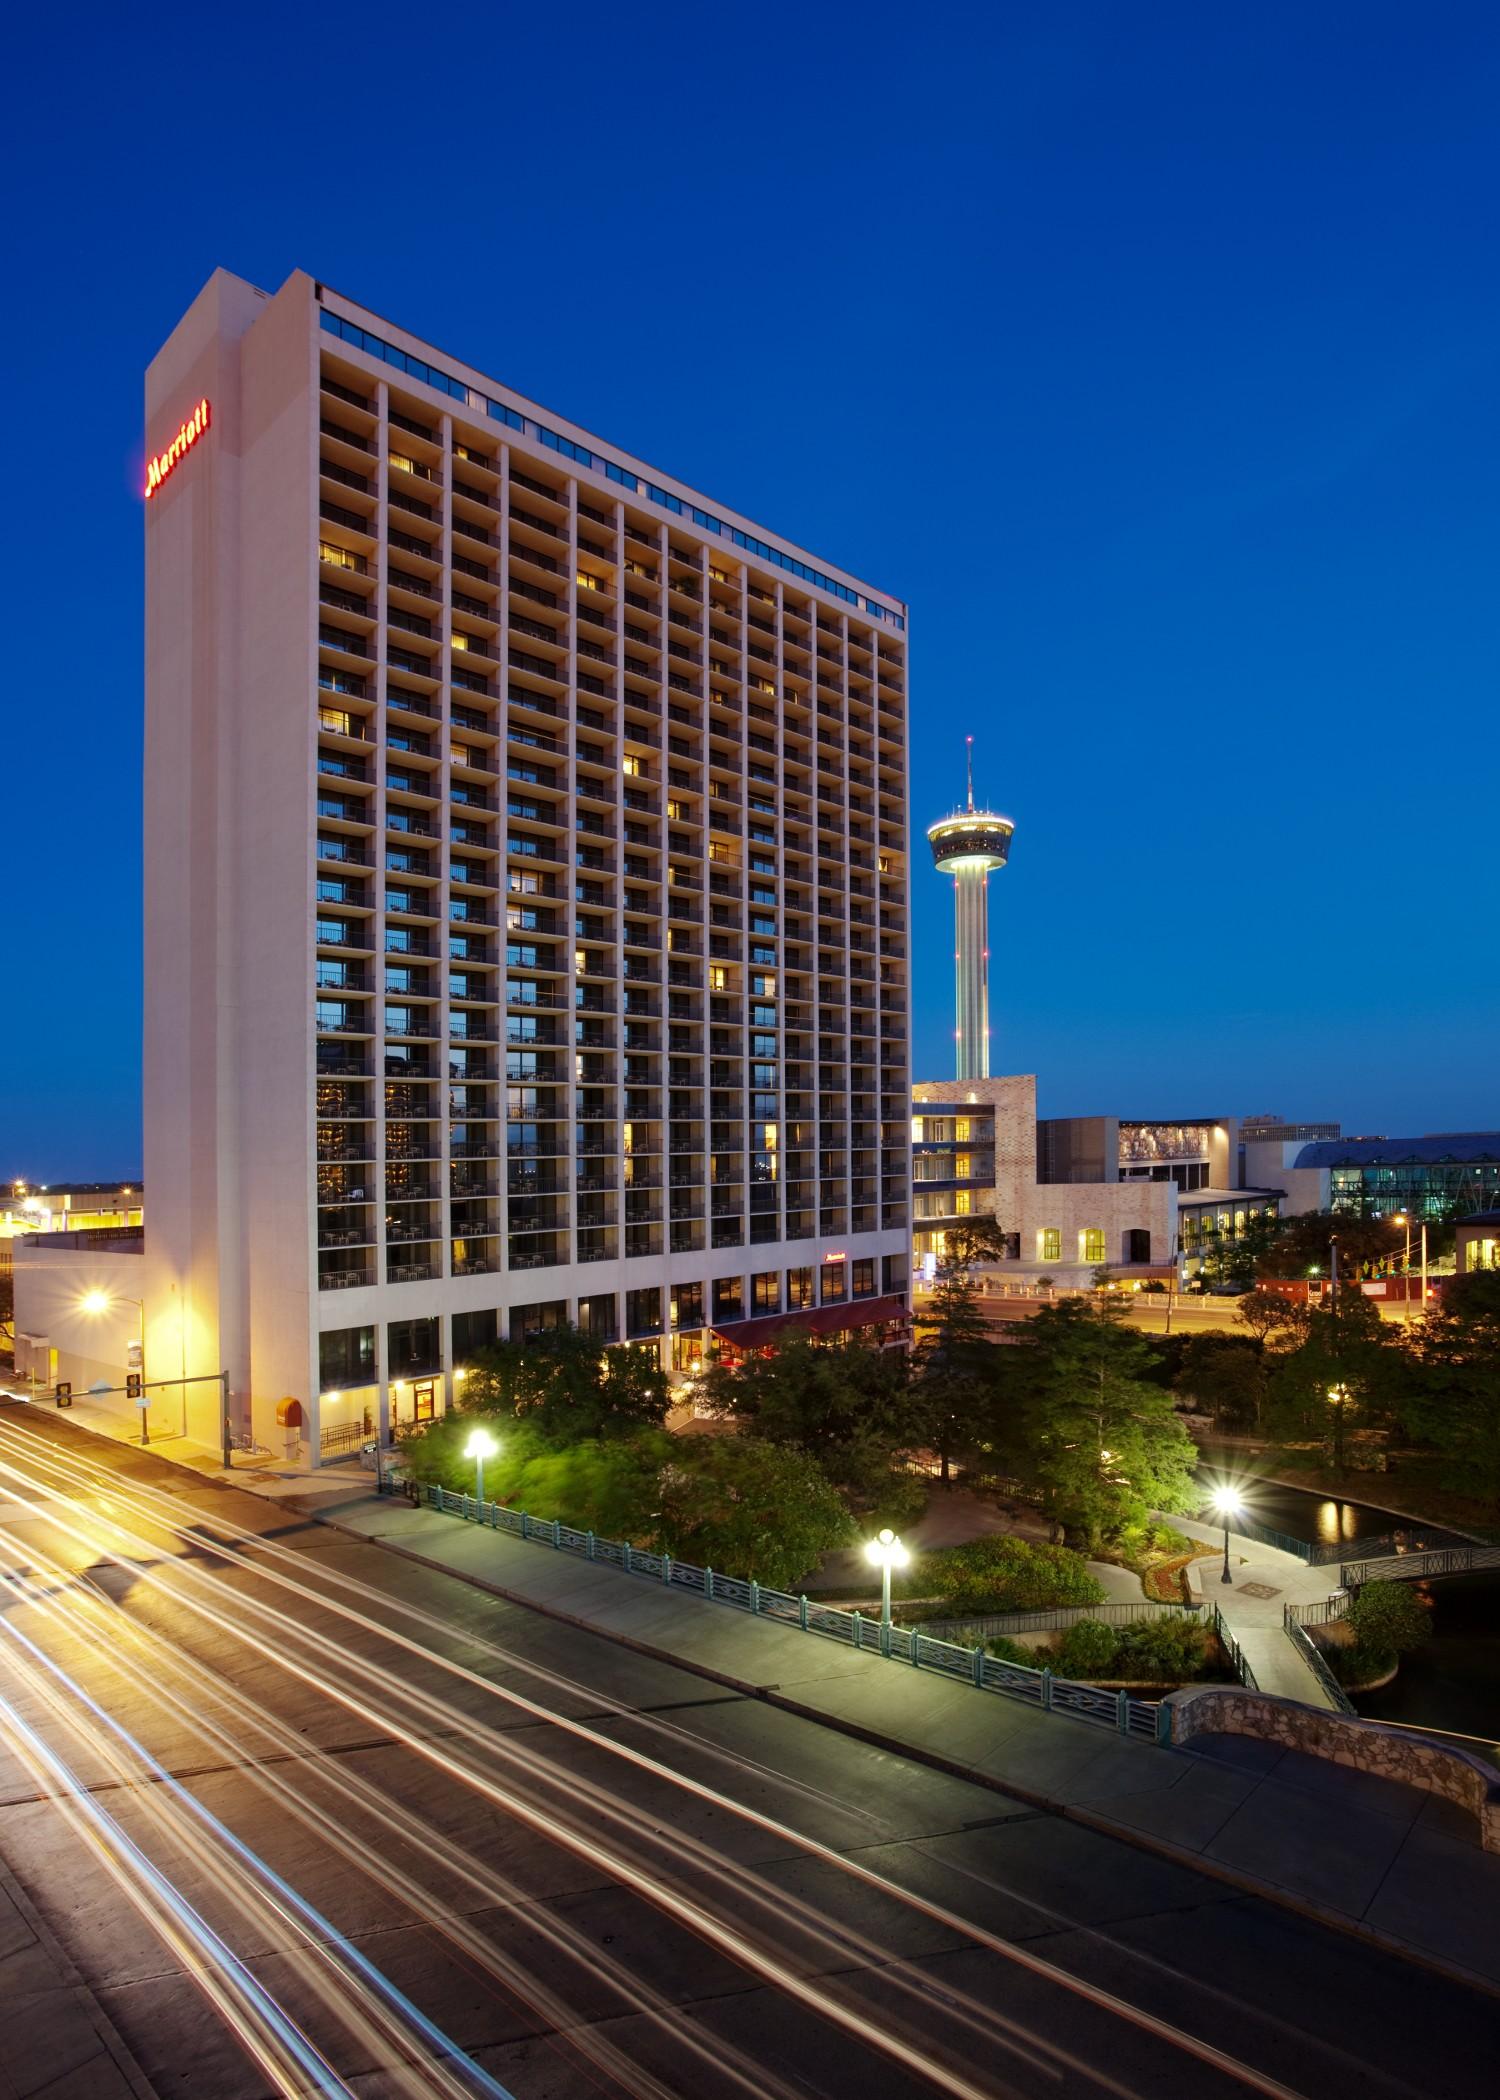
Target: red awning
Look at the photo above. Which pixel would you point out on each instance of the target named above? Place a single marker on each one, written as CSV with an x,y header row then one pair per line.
x,y
821,1319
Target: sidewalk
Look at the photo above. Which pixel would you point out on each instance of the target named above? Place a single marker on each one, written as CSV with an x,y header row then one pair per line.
x,y
60,2043
1387,1861
1264,1581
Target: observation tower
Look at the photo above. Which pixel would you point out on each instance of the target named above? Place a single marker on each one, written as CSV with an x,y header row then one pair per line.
x,y
967,846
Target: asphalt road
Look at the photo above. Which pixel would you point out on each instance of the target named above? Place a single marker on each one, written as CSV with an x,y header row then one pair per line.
x,y
309,1818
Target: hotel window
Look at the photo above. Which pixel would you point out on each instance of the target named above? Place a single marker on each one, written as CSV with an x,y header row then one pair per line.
x,y
799,1288
346,1357
1049,1243
961,1130
864,1278
835,1282
963,1167
729,1298
1091,1244
961,1204
643,1311
765,1292
687,1305
631,766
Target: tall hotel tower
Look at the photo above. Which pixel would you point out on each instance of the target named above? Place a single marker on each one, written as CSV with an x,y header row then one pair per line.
x,y
967,846
526,885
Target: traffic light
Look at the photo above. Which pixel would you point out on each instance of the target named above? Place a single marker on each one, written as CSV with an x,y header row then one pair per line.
x,y
135,1386
64,1392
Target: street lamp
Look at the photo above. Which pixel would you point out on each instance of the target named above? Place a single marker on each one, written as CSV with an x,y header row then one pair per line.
x,y
96,1302
1338,1400
1402,1217
481,1445
886,1551
1227,1504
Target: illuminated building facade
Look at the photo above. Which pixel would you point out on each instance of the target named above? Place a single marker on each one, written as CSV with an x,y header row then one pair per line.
x,y
526,887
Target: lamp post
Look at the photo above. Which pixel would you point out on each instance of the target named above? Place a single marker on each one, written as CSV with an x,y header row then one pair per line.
x,y
886,1551
1402,1217
1338,1399
1227,1504
481,1445
96,1302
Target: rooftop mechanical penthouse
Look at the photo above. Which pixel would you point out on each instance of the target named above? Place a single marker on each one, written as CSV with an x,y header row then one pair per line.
x,y
526,885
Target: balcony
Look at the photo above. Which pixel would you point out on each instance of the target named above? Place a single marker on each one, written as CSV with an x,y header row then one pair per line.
x,y
410,1271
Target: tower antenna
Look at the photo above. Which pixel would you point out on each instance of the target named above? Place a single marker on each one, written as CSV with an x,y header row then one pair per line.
x,y
969,754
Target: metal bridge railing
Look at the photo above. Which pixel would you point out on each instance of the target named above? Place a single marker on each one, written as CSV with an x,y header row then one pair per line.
x,y
1312,1655
1144,1719
1323,1613
1415,1566
1238,1661
982,1626
1415,1538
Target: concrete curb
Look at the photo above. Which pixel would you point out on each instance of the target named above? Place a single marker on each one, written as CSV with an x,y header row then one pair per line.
x,y
1105,1826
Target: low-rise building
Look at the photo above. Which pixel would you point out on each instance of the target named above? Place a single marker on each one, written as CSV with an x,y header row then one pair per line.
x,y
1447,1174
1476,1243
1142,1197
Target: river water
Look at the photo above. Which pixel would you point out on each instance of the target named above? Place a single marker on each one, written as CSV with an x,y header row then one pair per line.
x,y
1453,1682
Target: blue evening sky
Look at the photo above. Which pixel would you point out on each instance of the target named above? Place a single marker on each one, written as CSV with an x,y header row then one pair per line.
x,y
1148,350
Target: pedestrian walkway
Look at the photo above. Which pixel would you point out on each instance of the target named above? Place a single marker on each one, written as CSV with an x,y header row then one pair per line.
x,y
1264,1581
60,2043
1370,1855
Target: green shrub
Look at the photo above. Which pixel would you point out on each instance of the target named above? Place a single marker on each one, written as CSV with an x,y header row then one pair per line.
x,y
1358,1664
1087,1649
1005,1650
1162,1651
1141,1546
1389,1618
1002,1574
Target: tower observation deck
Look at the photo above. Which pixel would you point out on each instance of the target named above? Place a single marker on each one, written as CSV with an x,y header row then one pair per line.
x,y
967,846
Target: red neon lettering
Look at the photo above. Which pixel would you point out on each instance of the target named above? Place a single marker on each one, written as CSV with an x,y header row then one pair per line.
x,y
161,465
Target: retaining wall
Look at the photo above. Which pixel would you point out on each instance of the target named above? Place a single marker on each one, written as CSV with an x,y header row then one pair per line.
x,y
1369,1746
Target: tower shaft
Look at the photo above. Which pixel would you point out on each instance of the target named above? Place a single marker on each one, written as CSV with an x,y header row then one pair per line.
x,y
971,950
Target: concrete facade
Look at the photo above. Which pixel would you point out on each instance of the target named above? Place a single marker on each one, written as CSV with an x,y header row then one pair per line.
x,y
414,649
60,1334
1062,1230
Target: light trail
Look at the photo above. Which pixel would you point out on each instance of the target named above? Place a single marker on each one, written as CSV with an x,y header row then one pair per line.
x,y
349,1986
264,2031
914,2054
102,1642
438,1715
195,1537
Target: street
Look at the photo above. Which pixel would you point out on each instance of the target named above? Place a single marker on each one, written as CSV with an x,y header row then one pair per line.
x,y
311,1818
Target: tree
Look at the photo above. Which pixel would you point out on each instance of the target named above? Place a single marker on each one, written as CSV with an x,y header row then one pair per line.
x,y
1455,1401
753,1509
728,1502
1341,1378
1236,1257
977,1238
568,1386
1303,1243
1227,1376
1270,1317
954,1367
850,1407
1099,1438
